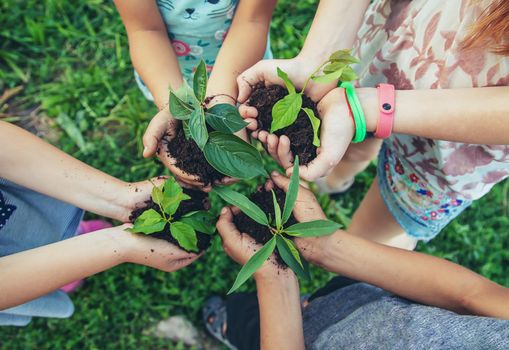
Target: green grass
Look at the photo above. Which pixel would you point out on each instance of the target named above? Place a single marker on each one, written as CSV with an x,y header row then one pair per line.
x,y
72,59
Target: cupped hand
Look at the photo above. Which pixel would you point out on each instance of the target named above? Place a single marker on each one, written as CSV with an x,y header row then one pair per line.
x,y
298,70
156,253
241,247
161,129
336,133
306,209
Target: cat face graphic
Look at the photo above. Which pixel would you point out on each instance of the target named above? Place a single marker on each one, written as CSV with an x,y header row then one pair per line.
x,y
193,10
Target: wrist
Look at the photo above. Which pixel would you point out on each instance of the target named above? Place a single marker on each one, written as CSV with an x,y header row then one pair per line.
x,y
119,243
369,102
274,275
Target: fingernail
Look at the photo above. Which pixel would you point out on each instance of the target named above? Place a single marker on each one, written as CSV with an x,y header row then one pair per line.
x,y
275,173
223,211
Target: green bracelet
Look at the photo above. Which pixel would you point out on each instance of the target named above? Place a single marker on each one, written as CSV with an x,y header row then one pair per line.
x,y
357,112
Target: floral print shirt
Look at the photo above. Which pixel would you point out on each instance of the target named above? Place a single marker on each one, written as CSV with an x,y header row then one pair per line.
x,y
414,44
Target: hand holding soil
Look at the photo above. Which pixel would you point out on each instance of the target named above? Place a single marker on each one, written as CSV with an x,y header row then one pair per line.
x,y
286,119
151,252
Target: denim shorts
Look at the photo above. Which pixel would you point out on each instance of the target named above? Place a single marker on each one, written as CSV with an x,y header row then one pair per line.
x,y
29,220
401,190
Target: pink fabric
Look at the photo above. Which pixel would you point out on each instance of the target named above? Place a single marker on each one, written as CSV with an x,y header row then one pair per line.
x,y
415,45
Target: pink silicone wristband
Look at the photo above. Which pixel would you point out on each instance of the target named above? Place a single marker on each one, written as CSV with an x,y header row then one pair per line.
x,y
386,100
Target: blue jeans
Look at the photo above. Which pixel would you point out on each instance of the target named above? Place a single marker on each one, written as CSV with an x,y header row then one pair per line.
x,y
29,220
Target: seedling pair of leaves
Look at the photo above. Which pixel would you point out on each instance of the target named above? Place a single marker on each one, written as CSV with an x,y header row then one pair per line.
x,y
168,197
286,110
276,224
224,151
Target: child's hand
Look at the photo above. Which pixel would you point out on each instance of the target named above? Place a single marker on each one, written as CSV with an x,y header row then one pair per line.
x,y
144,250
164,125
266,71
240,247
336,133
306,209
128,196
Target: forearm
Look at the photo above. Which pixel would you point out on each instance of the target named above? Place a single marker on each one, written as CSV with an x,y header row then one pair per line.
x,y
155,61
280,312
423,278
239,53
30,274
334,27
30,162
474,115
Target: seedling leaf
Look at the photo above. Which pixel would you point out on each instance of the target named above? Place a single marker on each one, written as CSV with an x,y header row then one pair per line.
x,y
201,221
157,195
343,56
288,83
198,128
187,131
315,123
185,235
243,203
186,94
313,228
178,108
328,78
148,222
291,256
173,195
285,111
225,118
200,81
293,190
254,264
348,74
277,211
233,157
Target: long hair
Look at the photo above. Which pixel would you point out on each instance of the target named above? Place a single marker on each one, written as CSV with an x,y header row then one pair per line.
x,y
491,30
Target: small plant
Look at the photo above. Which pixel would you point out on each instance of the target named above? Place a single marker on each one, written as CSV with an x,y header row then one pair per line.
x,y
168,198
281,239
286,110
224,151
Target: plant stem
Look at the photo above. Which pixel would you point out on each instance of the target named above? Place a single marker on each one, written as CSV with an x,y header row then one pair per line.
x,y
311,76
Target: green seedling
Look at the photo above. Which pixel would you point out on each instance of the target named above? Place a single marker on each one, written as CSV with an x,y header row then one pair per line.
x,y
168,197
282,234
224,151
286,110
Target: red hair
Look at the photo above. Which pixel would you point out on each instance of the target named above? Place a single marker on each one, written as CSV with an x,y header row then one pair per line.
x,y
491,30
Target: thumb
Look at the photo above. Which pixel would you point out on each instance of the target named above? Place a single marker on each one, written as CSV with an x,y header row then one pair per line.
x,y
280,181
155,131
225,225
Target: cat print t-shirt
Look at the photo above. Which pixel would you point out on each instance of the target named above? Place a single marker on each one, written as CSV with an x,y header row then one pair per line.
x,y
197,29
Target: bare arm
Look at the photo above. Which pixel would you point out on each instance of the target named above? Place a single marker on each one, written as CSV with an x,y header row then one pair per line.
x,y
151,50
473,115
244,45
30,162
334,27
278,291
419,277
36,272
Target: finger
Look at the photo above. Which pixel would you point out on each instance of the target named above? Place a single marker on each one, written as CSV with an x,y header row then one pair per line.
x,y
253,124
177,264
247,80
280,181
155,131
254,134
262,136
284,153
272,145
319,167
225,225
269,185
248,111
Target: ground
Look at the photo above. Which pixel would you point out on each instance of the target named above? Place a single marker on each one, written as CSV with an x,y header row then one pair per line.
x,y
71,60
